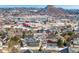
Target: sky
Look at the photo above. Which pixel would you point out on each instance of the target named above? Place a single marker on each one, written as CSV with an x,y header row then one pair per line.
x,y
42,6
28,6
68,6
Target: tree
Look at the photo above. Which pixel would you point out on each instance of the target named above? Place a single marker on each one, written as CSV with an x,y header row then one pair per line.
x,y
65,43
1,33
60,43
68,26
56,32
40,49
29,34
40,46
23,34
14,41
70,33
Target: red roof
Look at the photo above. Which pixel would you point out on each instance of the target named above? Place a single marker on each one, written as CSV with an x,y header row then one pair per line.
x,y
49,41
25,24
27,21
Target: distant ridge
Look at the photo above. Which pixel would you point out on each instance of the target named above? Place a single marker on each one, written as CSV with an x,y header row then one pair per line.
x,y
50,10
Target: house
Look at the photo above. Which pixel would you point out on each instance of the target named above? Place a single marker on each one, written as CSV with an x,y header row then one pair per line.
x,y
75,40
65,50
30,41
51,43
25,50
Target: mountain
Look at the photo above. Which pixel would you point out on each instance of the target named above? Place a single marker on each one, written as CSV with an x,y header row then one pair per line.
x,y
48,10
72,11
53,11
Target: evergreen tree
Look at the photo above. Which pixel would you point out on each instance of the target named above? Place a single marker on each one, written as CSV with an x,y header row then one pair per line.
x,y
60,43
